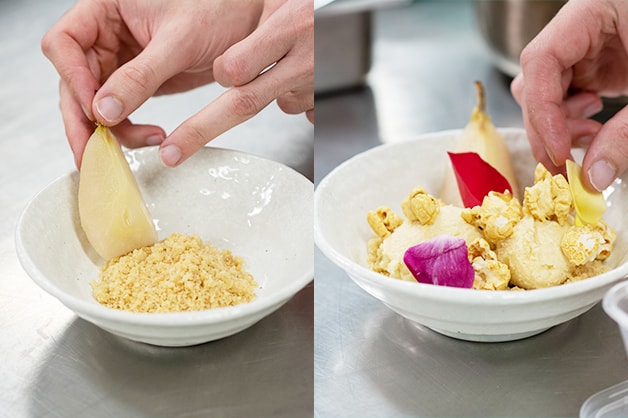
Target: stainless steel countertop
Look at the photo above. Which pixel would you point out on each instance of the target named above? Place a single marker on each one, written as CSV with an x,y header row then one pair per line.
x,y
371,362
54,364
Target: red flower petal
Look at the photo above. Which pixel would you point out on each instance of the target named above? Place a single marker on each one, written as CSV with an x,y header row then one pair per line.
x,y
476,177
441,261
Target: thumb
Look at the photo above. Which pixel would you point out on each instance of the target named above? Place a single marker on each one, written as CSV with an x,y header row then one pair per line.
x,y
607,156
137,80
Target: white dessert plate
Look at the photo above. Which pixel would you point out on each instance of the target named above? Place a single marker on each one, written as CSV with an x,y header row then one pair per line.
x,y
384,175
257,208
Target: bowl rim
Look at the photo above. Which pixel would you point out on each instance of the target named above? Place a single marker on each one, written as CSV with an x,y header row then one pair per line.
x,y
94,309
359,273
610,303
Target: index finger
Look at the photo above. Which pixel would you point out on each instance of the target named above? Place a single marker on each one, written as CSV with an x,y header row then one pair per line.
x,y
231,108
546,67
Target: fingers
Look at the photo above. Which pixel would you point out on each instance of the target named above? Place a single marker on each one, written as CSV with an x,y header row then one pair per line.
x,y
137,80
245,60
77,127
231,108
582,105
547,73
607,156
574,113
269,64
136,136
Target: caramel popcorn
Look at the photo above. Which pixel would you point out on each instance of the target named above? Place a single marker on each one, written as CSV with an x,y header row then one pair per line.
x,y
584,244
420,206
496,217
383,221
549,199
490,273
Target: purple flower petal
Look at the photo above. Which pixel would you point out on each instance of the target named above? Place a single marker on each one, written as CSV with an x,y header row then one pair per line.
x,y
442,261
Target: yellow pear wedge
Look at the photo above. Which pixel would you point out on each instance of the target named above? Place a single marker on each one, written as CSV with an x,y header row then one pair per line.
x,y
480,136
590,206
112,210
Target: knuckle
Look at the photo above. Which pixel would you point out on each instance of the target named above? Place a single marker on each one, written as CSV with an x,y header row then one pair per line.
x,y
526,56
47,44
246,103
138,76
294,103
233,69
193,136
287,105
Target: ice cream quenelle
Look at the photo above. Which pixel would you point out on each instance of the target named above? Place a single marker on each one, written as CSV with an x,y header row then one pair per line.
x,y
511,245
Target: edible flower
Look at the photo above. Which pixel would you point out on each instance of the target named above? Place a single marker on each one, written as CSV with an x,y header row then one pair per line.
x,y
476,177
442,261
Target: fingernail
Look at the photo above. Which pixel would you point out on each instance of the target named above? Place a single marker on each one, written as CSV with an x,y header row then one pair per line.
x,y
550,154
154,140
170,155
601,174
582,142
593,108
109,108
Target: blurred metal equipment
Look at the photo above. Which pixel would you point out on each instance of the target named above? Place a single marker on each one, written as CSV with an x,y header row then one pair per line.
x,y
343,41
508,26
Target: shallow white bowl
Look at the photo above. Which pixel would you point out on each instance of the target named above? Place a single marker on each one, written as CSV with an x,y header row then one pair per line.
x,y
384,175
259,209
616,306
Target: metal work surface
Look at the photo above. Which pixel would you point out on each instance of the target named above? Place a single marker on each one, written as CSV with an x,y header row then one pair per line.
x,y
54,364
371,362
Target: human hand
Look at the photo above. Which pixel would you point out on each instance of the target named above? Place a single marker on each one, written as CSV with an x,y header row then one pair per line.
x,y
581,55
284,40
112,55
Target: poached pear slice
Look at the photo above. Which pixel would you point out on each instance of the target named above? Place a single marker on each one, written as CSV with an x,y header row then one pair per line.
x,y
480,136
590,206
112,210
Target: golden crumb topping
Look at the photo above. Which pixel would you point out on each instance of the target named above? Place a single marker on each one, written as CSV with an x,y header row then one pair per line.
x,y
180,273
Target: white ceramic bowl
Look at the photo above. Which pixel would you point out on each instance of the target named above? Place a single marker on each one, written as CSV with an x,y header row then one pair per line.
x,y
383,176
259,209
616,306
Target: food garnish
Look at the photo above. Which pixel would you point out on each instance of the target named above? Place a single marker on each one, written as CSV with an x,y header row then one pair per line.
x,y
112,210
441,261
590,206
480,136
476,178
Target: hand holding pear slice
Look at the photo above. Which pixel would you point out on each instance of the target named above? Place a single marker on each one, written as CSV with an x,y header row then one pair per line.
x,y
112,210
590,206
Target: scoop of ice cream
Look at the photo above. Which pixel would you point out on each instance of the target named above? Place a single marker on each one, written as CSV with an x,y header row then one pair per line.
x,y
408,234
534,255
